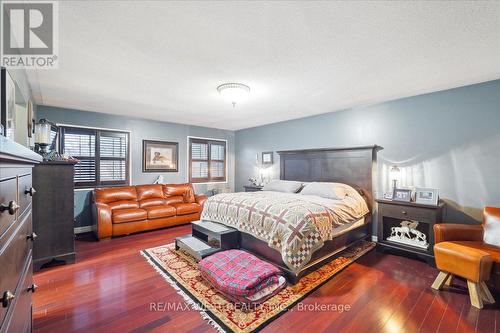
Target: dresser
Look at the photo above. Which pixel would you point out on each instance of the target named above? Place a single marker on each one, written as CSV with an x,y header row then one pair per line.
x,y
53,213
407,227
16,236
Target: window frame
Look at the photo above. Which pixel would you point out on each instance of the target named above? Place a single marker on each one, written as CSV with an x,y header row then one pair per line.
x,y
97,156
209,142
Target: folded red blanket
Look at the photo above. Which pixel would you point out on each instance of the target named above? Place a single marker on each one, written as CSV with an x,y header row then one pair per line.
x,y
238,273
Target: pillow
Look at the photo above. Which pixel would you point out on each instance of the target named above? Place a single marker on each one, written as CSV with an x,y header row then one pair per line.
x,y
287,186
326,190
491,225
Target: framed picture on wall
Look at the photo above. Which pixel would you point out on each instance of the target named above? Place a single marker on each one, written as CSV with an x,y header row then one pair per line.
x,y
31,121
160,156
267,158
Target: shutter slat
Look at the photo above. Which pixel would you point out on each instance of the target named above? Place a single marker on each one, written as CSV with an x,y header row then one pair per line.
x,y
217,152
199,151
85,171
199,169
114,170
217,169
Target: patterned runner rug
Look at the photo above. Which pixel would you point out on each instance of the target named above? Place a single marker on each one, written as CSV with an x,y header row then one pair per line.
x,y
181,271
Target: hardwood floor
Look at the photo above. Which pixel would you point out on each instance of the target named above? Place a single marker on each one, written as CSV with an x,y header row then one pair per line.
x,y
111,286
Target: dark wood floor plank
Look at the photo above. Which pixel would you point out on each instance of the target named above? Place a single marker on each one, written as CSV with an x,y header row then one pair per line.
x,y
111,287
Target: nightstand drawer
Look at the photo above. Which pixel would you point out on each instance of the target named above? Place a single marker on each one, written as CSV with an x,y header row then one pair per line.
x,y
406,212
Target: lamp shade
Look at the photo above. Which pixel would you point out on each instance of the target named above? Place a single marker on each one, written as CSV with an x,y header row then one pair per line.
x,y
42,133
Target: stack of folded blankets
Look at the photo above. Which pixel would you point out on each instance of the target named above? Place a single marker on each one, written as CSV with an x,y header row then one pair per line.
x,y
242,277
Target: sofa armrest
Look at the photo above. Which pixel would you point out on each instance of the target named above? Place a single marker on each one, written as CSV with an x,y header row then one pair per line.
x,y
103,226
446,232
200,199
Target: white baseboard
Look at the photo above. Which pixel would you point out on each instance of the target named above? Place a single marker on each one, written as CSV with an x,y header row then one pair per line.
x,y
374,238
80,230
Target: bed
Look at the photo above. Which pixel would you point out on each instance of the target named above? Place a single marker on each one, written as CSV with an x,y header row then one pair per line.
x,y
296,232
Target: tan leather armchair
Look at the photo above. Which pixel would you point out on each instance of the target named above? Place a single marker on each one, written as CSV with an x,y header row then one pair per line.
x,y
130,209
461,250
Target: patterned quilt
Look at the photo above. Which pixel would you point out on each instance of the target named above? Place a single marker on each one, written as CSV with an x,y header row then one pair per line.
x,y
295,225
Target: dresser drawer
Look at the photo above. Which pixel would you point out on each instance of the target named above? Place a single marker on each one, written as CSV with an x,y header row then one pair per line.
x,y
16,319
8,194
24,193
13,258
406,212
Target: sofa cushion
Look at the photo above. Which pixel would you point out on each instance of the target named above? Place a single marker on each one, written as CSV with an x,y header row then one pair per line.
x,y
187,208
156,212
174,199
176,189
152,202
189,196
149,191
123,204
129,215
107,195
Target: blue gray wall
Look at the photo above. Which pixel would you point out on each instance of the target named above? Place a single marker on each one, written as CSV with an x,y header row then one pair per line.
x,y
140,130
448,140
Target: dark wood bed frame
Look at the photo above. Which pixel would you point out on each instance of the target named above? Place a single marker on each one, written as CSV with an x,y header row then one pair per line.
x,y
354,166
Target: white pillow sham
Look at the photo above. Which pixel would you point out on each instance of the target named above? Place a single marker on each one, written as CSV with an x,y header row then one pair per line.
x,y
336,191
287,186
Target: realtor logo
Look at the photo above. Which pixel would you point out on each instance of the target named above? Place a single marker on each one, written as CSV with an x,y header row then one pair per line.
x,y
29,34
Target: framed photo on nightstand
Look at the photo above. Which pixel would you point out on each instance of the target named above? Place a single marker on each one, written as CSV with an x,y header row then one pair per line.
x,y
401,194
427,196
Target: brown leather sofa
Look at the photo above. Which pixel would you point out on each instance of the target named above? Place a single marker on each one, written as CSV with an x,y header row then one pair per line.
x,y
471,236
129,209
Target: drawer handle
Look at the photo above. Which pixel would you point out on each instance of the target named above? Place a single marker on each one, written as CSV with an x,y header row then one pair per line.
x,y
33,288
12,207
7,297
30,191
32,237
404,212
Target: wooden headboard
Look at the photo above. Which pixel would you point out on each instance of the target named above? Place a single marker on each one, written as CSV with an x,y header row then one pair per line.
x,y
353,166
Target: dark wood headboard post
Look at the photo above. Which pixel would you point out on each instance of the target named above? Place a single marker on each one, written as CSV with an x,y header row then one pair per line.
x,y
354,166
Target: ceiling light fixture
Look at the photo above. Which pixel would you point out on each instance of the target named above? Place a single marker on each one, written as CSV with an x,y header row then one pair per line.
x,y
233,92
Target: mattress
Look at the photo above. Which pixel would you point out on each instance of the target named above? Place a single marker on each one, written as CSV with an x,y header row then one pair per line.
x,y
295,225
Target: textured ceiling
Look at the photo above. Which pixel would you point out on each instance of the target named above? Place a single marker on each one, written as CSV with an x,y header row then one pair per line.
x,y
164,60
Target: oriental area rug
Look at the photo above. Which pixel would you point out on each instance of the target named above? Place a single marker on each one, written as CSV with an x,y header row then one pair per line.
x,y
181,272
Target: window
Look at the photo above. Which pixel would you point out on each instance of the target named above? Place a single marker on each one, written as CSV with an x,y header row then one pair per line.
x,y
104,155
207,160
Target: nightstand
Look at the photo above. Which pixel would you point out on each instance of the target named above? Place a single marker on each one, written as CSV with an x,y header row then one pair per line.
x,y
252,188
408,227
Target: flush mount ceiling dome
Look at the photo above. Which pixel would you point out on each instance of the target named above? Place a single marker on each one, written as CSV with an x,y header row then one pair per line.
x,y
233,92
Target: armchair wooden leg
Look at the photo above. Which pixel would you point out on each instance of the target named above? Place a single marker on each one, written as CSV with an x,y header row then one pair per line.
x,y
485,293
449,280
440,280
475,294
